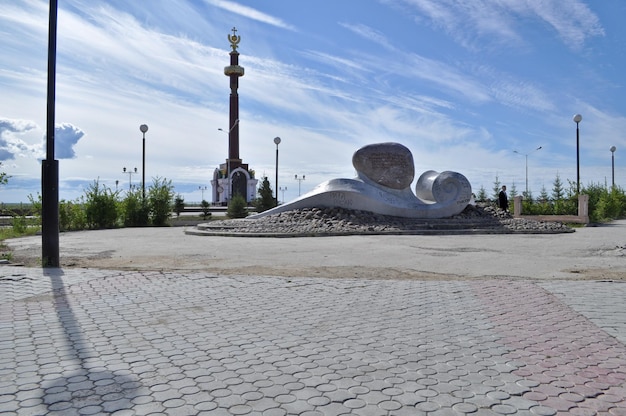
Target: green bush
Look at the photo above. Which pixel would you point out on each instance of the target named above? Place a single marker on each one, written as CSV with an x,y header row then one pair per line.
x,y
205,209
266,198
160,196
237,207
179,205
135,212
100,206
72,216
19,223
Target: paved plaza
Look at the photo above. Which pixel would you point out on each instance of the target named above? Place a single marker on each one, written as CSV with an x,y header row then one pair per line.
x,y
157,341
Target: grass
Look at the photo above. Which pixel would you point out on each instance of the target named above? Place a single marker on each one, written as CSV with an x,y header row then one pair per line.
x,y
12,232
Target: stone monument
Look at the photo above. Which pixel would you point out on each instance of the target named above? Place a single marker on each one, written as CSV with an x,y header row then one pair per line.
x,y
233,177
385,172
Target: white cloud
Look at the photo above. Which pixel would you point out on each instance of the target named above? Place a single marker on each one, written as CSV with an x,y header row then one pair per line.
x,y
250,13
498,20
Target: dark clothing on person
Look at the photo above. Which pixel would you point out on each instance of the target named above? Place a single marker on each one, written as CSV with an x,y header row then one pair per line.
x,y
503,200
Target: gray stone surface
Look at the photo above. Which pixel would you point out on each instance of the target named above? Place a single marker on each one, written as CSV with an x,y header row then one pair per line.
x,y
84,341
384,174
386,164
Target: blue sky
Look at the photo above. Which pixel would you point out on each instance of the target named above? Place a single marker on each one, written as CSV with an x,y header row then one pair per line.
x,y
463,84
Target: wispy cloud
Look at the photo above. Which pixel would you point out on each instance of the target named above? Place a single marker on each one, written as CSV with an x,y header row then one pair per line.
x,y
250,13
572,21
369,33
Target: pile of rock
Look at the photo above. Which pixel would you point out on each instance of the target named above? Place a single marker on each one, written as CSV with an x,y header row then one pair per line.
x,y
339,221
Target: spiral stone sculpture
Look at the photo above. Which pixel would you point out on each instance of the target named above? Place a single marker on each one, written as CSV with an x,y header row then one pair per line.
x,y
385,172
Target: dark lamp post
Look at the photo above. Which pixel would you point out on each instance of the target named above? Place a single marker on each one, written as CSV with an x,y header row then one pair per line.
x,y
577,119
613,149
277,142
144,129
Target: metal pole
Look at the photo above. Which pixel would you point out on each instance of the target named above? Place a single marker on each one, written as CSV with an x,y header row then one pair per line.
x,y
277,141
577,160
276,182
143,168
526,176
50,166
613,149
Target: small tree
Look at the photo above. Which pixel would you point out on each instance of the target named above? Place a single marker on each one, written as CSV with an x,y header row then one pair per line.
x,y
496,189
100,206
205,209
557,189
179,205
135,212
160,196
266,198
482,194
237,207
513,191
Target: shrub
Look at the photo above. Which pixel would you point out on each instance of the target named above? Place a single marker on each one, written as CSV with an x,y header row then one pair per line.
x,y
100,206
72,216
266,199
179,205
205,209
160,196
237,207
135,212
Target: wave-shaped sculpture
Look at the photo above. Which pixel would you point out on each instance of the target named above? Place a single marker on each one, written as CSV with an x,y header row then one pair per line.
x,y
385,172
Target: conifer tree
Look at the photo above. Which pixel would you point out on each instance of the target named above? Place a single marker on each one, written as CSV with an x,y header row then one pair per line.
x,y
266,198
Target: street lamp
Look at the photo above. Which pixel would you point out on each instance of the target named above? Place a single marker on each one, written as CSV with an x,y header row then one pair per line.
x,y
283,189
202,189
613,149
277,142
144,129
526,155
577,119
130,177
299,182
228,158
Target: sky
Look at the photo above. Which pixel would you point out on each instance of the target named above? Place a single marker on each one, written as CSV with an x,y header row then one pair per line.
x,y
471,86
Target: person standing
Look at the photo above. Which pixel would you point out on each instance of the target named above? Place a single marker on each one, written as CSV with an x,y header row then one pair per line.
x,y
503,199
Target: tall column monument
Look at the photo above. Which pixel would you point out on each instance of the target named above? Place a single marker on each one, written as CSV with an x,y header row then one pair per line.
x,y
233,177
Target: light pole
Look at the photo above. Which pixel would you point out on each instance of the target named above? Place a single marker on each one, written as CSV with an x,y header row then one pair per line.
x,y
117,182
283,189
228,158
130,177
143,128
577,119
613,149
277,142
526,156
202,189
299,182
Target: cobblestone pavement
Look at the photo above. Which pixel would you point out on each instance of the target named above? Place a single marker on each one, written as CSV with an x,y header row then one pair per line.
x,y
82,341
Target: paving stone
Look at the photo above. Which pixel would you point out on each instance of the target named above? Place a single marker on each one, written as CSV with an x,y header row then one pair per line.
x,y
155,342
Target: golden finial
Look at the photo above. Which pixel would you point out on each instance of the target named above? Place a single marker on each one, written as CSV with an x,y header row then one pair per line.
x,y
234,39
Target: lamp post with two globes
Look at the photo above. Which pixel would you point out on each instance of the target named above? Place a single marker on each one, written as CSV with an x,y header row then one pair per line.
x,y
526,156
299,182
